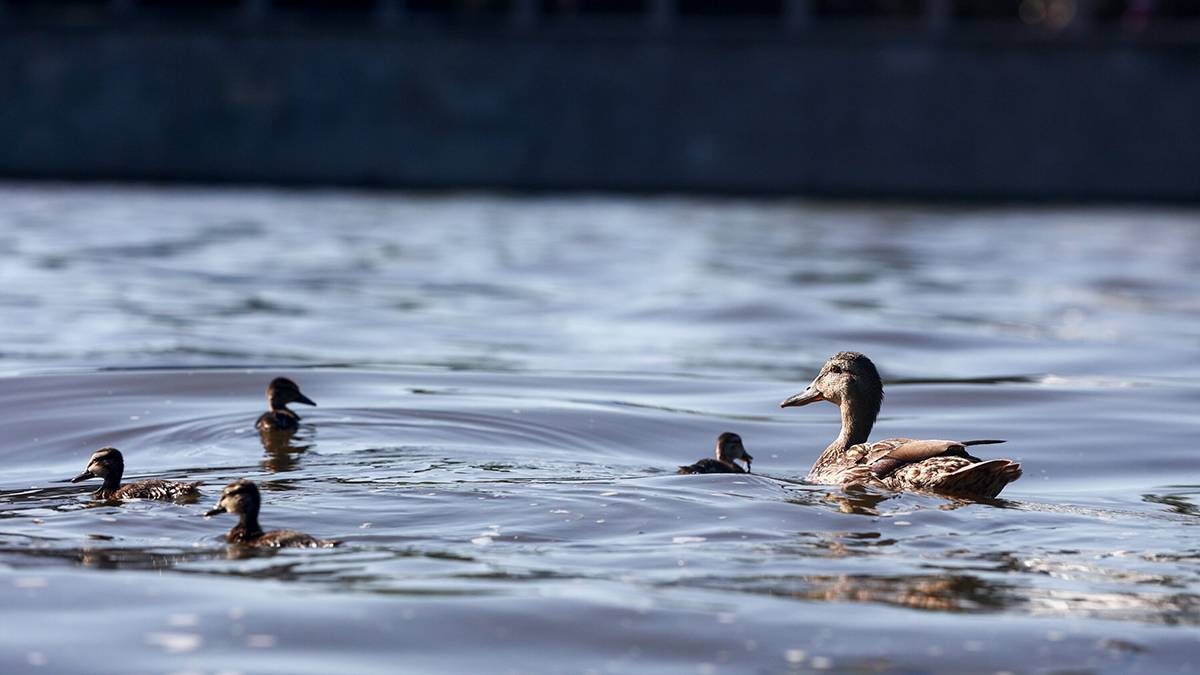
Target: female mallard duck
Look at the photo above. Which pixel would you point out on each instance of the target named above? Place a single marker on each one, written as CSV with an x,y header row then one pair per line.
x,y
280,393
242,497
729,450
107,463
850,380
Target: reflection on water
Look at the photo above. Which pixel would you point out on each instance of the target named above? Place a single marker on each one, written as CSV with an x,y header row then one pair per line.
x,y
856,500
283,450
107,558
943,593
506,386
1180,502
970,593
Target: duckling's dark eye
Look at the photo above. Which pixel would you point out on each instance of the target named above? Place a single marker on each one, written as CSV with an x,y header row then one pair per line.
x,y
835,369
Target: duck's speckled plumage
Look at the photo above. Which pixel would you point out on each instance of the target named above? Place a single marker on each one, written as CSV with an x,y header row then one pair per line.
x,y
243,498
109,464
729,451
280,392
851,381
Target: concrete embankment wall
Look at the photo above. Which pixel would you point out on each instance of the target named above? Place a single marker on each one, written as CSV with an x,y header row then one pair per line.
x,y
818,113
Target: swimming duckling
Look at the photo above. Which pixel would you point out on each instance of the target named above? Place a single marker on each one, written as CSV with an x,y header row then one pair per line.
x,y
729,449
280,393
107,463
242,497
851,381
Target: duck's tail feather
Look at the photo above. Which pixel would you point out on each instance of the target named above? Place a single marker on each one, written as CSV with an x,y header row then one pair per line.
x,y
984,441
981,479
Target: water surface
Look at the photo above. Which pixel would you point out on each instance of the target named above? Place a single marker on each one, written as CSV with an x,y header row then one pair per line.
x,y
505,385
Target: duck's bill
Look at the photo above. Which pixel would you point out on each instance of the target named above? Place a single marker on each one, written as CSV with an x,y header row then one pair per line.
x,y
214,511
810,395
82,477
301,398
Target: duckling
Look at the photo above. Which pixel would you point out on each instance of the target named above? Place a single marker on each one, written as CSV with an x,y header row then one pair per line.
x,y
729,449
850,380
242,497
280,393
107,463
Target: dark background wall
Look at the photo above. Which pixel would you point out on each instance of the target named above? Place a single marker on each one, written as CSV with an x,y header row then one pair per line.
x,y
841,109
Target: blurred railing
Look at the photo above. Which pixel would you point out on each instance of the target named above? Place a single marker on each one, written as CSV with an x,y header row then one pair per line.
x,y
1040,17
1045,99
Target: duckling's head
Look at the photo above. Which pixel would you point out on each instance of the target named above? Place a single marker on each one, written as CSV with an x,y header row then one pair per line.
x,y
103,463
847,377
283,391
730,448
239,497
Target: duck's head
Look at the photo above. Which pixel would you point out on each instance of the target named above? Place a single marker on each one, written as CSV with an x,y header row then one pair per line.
x,y
239,497
283,391
847,377
103,463
730,449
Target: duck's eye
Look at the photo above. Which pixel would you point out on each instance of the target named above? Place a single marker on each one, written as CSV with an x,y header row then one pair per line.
x,y
835,369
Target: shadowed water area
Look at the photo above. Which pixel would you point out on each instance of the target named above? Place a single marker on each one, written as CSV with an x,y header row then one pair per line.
x,y
505,386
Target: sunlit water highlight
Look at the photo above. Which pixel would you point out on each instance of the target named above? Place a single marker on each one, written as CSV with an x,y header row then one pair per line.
x,y
505,385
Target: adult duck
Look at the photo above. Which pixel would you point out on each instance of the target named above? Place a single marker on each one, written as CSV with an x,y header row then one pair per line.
x,y
850,381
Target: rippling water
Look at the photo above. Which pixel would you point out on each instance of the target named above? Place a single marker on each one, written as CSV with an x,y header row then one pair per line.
x,y
505,385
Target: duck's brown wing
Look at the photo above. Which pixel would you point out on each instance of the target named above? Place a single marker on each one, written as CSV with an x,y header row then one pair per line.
x,y
885,457
981,479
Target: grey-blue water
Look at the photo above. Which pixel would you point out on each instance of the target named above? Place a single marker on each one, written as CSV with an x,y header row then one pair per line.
x,y
505,385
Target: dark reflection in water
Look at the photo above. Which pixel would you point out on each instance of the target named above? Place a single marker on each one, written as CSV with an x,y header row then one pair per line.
x,y
283,450
857,500
1179,502
942,593
112,558
969,593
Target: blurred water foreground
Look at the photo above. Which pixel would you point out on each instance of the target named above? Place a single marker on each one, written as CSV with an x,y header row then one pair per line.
x,y
1048,99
